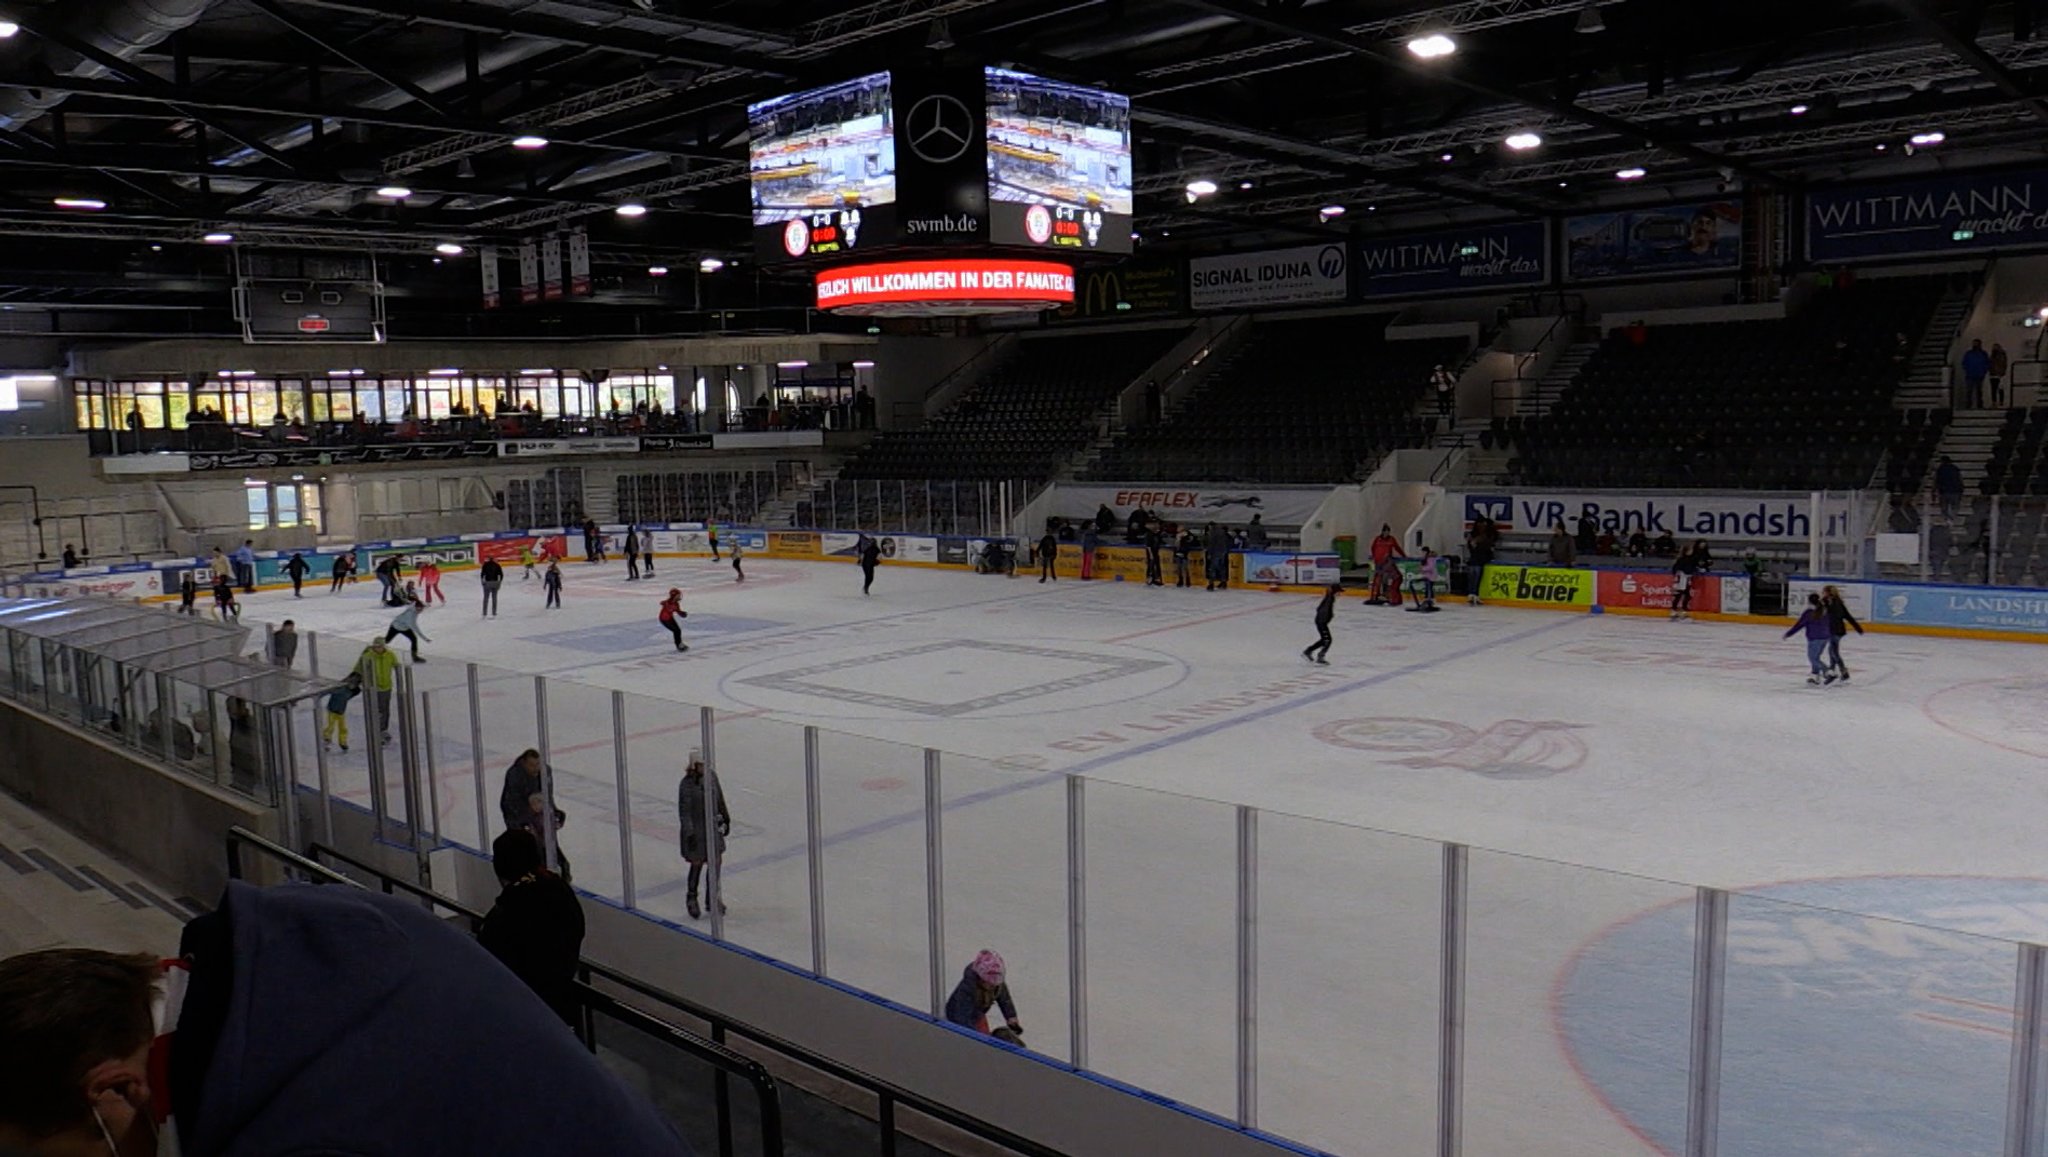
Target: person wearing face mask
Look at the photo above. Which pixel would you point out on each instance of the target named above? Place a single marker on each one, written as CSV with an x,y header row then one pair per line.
x,y
302,1019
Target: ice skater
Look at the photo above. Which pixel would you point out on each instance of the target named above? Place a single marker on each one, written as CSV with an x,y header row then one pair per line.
x,y
188,593
647,555
526,561
493,576
1682,570
1814,621
1048,554
335,725
408,624
984,985
1184,546
1386,575
711,536
297,570
551,583
632,555
739,576
430,583
1428,573
671,610
343,571
870,553
1319,651
1154,543
224,605
697,850
1839,622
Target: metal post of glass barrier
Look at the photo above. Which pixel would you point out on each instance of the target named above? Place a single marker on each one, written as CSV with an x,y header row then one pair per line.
x,y
814,847
375,726
409,773
476,760
714,860
1450,1070
549,846
1247,966
1709,986
326,785
432,787
313,656
626,891
1077,920
935,881
2022,1104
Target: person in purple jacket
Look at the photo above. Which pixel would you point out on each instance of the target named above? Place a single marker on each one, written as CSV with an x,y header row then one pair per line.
x,y
1819,633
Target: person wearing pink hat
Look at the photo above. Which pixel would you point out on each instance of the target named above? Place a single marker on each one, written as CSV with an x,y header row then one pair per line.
x,y
984,985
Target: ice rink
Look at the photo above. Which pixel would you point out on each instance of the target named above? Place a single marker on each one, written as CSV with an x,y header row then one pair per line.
x,y
1883,837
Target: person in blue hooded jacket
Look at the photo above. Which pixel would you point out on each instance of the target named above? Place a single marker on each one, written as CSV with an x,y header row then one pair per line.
x,y
328,1020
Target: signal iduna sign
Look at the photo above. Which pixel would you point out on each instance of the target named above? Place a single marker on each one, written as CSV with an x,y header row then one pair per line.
x,y
960,285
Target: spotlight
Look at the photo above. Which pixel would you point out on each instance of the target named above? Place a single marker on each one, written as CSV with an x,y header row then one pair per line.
x,y
1631,174
1799,110
1523,142
90,203
657,271
218,238
1928,140
1201,188
529,141
8,28
631,209
710,265
448,249
394,192
1432,46
1330,212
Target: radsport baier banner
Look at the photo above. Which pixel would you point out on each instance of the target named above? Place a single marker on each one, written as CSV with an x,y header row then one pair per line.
x,y
1547,585
1773,517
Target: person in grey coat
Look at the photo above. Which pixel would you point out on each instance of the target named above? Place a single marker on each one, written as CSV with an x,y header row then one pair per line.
x,y
697,850
1216,558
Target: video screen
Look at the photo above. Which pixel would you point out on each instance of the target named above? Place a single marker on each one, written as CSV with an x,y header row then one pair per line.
x,y
1059,164
820,164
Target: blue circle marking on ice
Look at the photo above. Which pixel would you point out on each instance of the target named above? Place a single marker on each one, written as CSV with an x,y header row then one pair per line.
x,y
1888,1033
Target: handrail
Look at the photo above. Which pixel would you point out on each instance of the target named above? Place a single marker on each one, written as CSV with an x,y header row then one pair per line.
x,y
722,1059
986,351
889,1094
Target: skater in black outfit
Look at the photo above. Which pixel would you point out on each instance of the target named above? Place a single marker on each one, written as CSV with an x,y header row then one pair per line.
x,y
343,570
697,849
1154,577
870,556
1839,622
1681,584
671,610
1048,553
1216,558
551,582
1184,547
493,577
188,590
298,570
1319,651
632,555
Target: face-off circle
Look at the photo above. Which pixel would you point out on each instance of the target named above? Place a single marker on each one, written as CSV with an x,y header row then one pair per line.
x,y
1038,224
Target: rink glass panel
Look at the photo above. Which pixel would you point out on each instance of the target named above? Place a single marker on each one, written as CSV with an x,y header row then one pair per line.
x,y
1162,925
876,913
760,770
581,752
1551,989
1349,997
1006,887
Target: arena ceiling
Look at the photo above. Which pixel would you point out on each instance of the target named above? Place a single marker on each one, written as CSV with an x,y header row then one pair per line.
x,y
280,121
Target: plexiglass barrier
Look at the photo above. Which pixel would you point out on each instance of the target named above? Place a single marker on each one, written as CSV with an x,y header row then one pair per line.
x,y
1358,991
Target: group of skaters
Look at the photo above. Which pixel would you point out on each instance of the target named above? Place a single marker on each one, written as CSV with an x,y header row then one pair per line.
x,y
1159,540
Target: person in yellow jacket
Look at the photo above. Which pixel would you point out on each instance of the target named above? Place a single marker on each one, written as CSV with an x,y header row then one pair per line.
x,y
379,668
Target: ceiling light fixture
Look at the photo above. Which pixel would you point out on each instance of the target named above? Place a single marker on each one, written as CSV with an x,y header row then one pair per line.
x,y
1201,188
1244,185
394,192
1432,46
1927,140
1330,212
1799,110
710,265
8,28
631,209
218,238
1447,158
1590,22
657,271
1631,174
92,203
448,249
529,141
1522,142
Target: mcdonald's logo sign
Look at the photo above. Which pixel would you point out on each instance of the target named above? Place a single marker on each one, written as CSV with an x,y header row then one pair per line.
x,y
1127,290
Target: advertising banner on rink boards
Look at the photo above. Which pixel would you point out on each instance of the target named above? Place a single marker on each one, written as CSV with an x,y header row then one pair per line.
x,y
1967,608
1554,586
1292,569
1855,596
1656,590
1197,504
893,547
680,541
792,544
1307,275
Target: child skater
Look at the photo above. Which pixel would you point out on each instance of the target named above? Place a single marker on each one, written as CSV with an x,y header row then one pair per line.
x,y
671,610
1319,651
1814,621
739,576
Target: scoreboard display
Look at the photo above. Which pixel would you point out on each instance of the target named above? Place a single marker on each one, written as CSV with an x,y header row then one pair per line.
x,y
822,169
1059,164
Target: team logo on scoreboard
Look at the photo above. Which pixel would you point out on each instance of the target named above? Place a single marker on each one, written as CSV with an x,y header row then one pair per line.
x,y
1038,224
796,237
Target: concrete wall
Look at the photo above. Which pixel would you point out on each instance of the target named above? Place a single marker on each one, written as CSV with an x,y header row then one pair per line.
x,y
906,368
172,828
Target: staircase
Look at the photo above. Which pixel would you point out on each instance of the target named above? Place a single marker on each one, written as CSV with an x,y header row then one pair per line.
x,y
1969,436
781,510
1968,440
1552,385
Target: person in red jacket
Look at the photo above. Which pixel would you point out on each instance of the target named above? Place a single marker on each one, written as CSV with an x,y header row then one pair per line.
x,y
671,610
430,583
1386,577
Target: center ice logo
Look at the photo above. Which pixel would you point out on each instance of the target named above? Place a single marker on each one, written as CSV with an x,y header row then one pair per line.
x,y
1510,749
1888,1033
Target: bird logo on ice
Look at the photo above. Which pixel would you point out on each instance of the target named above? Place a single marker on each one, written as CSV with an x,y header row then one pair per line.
x,y
1509,749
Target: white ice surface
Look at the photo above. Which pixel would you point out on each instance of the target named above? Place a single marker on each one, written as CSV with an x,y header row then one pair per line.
x,y
1686,752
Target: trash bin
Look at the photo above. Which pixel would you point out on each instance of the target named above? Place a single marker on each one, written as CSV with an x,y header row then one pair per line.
x,y
1346,546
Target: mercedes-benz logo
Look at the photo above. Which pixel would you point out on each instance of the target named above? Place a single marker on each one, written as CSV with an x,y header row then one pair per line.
x,y
939,128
